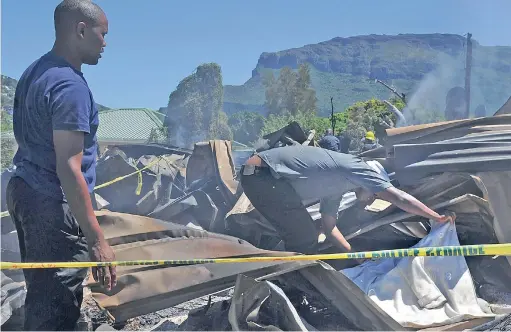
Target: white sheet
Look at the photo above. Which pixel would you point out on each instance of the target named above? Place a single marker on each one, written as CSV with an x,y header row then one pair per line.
x,y
423,292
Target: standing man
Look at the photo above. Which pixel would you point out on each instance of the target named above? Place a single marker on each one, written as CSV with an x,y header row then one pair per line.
x,y
281,182
55,123
329,141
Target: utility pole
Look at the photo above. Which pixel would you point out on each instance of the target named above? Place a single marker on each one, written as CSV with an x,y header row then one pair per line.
x,y
468,69
332,119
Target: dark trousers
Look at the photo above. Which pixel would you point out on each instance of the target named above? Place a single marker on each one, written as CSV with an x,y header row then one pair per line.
x,y
279,203
48,232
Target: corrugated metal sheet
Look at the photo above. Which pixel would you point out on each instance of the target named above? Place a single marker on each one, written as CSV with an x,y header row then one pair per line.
x,y
471,145
141,290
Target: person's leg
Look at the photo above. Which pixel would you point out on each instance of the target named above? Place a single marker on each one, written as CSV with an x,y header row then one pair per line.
x,y
50,233
279,203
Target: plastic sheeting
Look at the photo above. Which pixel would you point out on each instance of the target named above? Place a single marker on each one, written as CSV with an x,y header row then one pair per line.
x,y
423,292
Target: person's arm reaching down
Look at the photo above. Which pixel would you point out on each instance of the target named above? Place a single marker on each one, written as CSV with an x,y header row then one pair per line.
x,y
69,152
333,233
328,208
412,205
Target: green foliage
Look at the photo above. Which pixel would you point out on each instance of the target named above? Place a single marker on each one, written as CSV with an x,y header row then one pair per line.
x,y
6,121
291,92
219,127
8,89
194,112
366,116
246,126
7,142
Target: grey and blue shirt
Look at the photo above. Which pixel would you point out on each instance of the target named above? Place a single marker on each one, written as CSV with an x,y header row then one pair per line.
x,y
316,173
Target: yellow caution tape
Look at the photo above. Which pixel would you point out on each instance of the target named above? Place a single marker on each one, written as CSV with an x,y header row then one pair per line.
x,y
106,184
138,191
470,250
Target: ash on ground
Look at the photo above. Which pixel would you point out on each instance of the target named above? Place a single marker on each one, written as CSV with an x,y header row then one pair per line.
x,y
164,320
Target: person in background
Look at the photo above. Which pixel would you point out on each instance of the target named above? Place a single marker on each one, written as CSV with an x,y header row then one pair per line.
x,y
329,141
55,121
455,104
344,142
281,182
369,142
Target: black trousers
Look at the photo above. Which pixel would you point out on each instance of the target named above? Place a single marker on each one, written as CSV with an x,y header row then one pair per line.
x,y
279,203
48,232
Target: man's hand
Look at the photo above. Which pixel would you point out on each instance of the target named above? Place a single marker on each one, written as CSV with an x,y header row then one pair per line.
x,y
448,217
329,226
412,205
100,251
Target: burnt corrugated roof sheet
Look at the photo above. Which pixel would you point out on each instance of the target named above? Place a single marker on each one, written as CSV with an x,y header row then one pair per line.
x,y
471,145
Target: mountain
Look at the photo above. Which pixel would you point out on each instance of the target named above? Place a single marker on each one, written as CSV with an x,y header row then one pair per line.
x,y
8,89
423,66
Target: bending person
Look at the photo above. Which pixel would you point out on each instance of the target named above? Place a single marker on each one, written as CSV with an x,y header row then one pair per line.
x,y
281,182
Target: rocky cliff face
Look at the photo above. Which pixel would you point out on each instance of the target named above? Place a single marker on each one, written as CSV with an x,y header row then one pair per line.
x,y
384,57
345,68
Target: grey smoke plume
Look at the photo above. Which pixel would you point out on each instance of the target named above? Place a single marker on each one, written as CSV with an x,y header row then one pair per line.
x,y
429,97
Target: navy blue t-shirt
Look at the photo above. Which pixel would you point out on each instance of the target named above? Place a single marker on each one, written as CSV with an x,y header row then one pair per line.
x,y
52,95
329,142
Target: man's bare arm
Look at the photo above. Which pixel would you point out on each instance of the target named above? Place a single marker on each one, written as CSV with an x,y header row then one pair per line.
x,y
333,233
412,205
69,153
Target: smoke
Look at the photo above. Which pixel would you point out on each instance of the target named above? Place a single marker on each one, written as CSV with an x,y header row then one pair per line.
x,y
260,144
428,100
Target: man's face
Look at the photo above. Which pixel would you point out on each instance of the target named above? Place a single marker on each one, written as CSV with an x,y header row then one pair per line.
x,y
93,42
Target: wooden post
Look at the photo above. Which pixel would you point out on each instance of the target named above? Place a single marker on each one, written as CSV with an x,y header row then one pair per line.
x,y
468,69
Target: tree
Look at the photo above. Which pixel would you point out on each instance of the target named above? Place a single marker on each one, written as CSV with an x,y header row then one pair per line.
x,y
194,112
291,92
219,127
246,126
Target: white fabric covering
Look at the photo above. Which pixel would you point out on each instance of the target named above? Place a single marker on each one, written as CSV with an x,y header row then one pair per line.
x,y
423,291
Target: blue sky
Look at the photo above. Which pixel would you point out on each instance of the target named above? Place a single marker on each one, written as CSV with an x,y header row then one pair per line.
x,y
153,44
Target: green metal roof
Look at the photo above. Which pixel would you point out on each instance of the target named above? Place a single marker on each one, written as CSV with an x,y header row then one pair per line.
x,y
128,124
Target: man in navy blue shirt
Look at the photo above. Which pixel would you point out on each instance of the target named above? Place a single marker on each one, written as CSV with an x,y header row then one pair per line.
x,y
329,141
49,196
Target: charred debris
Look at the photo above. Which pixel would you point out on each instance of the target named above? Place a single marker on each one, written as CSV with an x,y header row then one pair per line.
x,y
189,204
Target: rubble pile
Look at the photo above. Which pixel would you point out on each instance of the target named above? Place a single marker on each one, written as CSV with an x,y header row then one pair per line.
x,y
189,204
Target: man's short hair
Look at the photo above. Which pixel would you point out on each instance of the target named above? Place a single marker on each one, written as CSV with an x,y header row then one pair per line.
x,y
72,11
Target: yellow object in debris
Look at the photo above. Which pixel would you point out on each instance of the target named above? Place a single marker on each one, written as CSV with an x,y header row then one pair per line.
x,y
106,184
370,135
470,250
378,205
